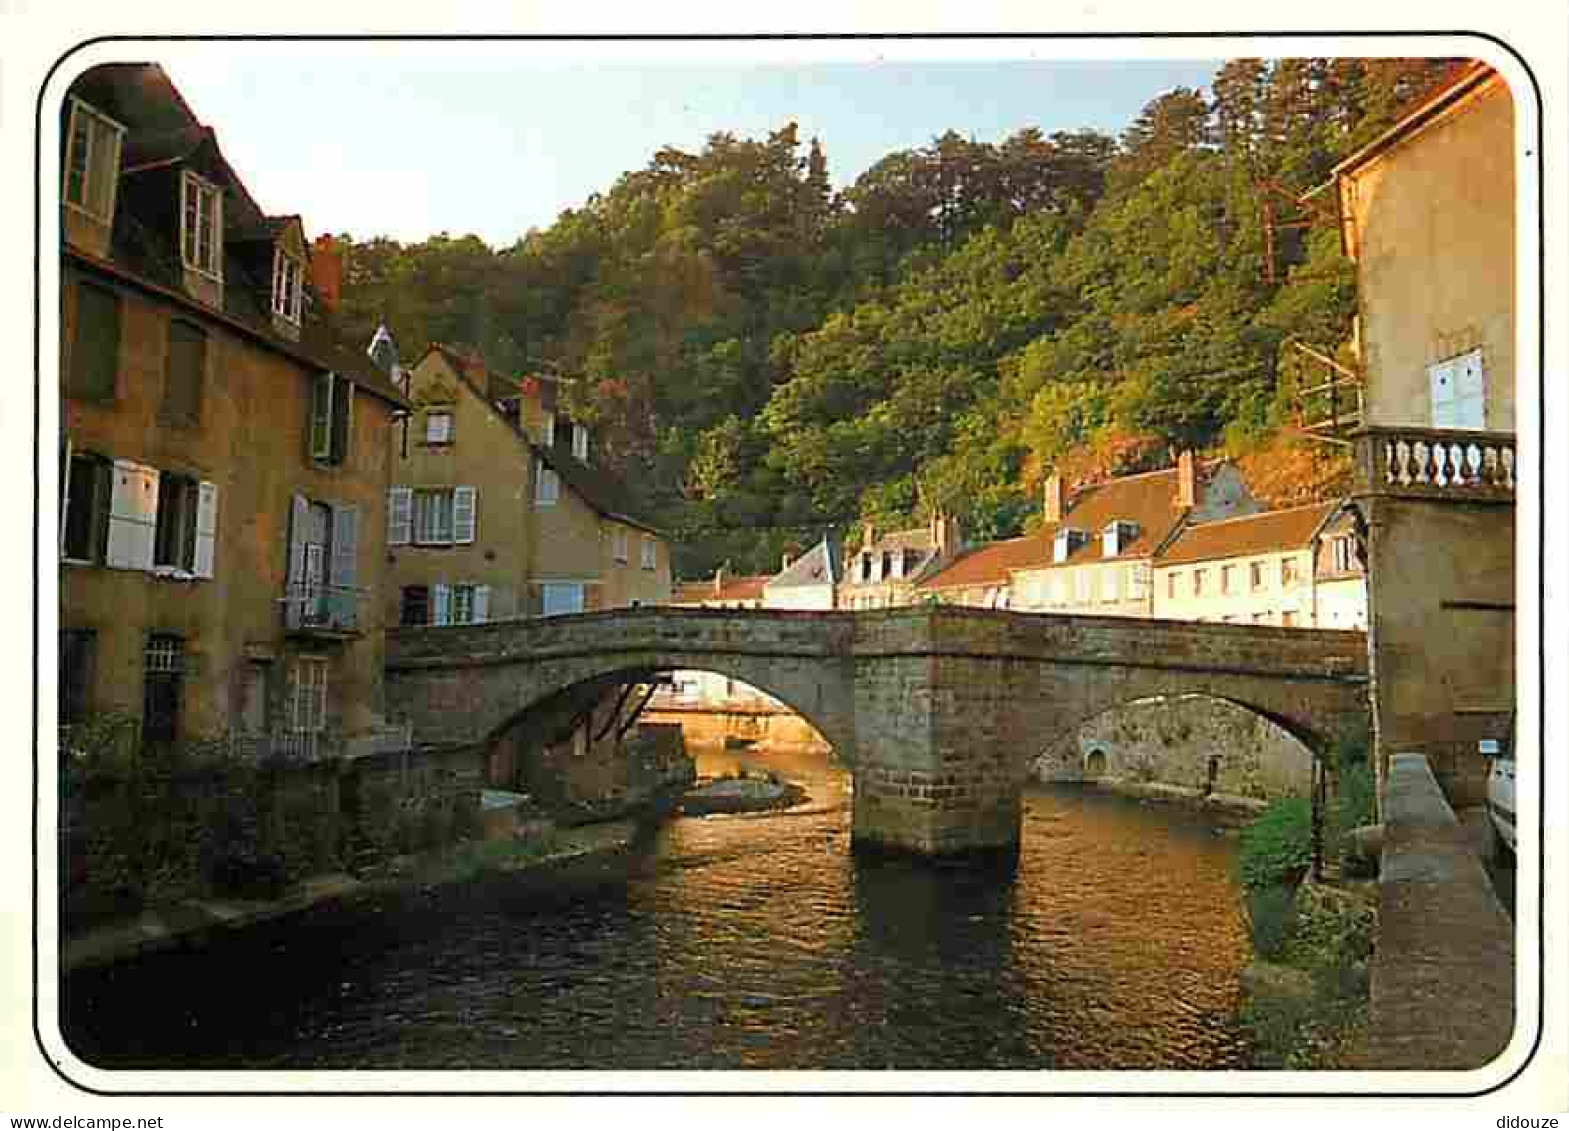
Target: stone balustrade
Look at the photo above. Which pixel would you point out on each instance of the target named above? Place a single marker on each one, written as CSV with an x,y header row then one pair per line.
x,y
1436,463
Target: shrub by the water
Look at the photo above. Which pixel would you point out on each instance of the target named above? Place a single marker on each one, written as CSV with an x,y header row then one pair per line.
x,y
1277,848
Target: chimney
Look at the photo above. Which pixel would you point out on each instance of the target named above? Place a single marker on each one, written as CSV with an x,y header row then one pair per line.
x,y
1052,511
1187,480
944,530
327,271
868,534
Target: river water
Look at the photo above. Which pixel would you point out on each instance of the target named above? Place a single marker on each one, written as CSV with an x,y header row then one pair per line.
x,y
741,941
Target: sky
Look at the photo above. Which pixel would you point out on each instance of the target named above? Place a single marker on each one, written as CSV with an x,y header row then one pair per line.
x,y
407,143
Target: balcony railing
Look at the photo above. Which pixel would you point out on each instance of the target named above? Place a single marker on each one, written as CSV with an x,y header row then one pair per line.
x,y
319,608
1436,463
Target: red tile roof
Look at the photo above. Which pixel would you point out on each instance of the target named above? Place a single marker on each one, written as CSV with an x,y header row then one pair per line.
x,y
745,588
1149,501
1265,533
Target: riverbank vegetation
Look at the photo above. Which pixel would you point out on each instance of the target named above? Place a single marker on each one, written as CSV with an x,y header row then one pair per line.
x,y
1305,995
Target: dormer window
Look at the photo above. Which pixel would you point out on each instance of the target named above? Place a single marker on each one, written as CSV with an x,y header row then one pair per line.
x,y
92,161
287,278
1116,537
1067,540
201,225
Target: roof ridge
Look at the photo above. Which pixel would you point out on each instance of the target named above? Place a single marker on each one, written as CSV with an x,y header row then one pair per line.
x,y
1256,515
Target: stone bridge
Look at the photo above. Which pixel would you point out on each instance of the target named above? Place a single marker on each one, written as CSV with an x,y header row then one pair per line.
x,y
937,711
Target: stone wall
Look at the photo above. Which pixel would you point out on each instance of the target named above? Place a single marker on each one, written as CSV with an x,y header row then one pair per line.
x,y
1192,741
1442,993
1442,616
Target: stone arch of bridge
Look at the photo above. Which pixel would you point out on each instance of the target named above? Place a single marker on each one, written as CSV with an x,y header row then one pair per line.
x,y
834,725
1189,738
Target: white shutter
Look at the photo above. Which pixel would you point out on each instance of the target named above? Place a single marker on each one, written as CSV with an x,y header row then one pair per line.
x,y
65,491
481,603
345,545
133,516
299,523
442,613
1441,386
206,528
1470,391
464,501
400,516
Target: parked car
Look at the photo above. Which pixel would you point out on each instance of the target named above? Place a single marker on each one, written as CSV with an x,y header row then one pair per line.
x,y
1500,794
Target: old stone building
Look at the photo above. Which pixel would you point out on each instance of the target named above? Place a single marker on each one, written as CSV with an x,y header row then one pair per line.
x,y
488,518
1428,216
223,462
1094,548
1296,568
886,569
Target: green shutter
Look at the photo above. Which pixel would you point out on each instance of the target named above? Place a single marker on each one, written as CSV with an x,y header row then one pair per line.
x,y
95,351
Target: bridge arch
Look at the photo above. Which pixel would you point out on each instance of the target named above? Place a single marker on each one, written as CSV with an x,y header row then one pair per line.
x,y
1211,743
543,698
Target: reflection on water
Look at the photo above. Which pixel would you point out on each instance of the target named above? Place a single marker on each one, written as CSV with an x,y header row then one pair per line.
x,y
751,941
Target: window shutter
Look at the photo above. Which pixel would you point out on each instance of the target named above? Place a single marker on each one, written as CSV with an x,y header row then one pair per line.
x,y
1470,391
206,528
481,603
342,418
400,516
133,516
321,416
65,493
464,500
345,545
1441,383
442,604
299,523
95,348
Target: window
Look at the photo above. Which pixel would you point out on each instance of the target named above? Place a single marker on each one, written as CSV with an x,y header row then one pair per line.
x,y
414,608
650,553
1171,585
580,443
174,541
85,524
76,669
618,544
1288,571
308,703
1198,582
332,407
432,517
547,486
441,516
470,604
1110,579
866,567
287,274
438,425
1117,536
1342,554
557,598
201,226
1081,586
1228,579
1288,618
1256,574
1458,388
163,669
92,161
95,345
184,367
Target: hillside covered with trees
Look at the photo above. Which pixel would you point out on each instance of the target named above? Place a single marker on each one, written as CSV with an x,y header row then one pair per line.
x,y
763,358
